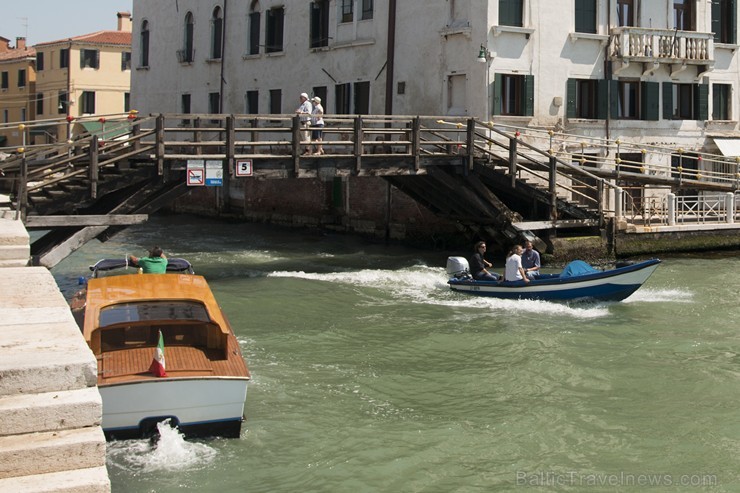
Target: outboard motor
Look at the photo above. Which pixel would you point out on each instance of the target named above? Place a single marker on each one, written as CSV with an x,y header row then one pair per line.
x,y
458,267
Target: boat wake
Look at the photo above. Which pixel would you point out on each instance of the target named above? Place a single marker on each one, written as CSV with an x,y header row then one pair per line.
x,y
428,285
171,452
647,295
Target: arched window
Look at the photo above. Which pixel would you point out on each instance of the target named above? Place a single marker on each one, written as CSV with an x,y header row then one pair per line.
x,y
188,52
253,47
144,53
217,33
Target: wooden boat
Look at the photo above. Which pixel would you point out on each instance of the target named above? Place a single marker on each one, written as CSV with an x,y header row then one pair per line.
x,y
578,281
205,387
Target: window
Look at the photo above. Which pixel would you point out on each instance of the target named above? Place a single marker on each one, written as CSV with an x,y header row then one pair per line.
x,y
342,94
276,101
724,21
685,101
89,59
126,101
64,58
347,10
40,103
187,55
628,99
214,103
88,102
144,48
586,16
626,13
721,101
456,94
63,102
513,95
39,61
251,102
634,100
254,32
683,15
4,80
274,30
185,104
587,98
362,98
319,23
125,61
510,12
22,77
6,116
217,34
367,10
321,92
24,116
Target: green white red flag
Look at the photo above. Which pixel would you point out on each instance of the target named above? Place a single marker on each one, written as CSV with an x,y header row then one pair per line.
x,y
157,366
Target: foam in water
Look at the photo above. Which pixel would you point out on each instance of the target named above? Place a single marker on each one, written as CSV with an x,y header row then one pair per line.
x,y
170,452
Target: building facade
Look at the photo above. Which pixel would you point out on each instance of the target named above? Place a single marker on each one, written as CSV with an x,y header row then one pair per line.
x,y
17,86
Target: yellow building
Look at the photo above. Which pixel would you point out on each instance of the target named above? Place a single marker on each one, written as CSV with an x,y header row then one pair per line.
x,y
17,89
82,76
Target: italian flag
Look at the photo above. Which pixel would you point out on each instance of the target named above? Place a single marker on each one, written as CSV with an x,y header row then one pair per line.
x,y
157,366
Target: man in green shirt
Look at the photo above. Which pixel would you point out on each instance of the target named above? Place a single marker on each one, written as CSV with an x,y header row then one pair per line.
x,y
155,263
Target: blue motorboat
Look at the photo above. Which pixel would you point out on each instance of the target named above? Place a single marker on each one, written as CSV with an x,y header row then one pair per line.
x,y
578,281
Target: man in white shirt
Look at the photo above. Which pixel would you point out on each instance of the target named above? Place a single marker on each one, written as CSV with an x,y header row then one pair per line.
x,y
304,110
514,270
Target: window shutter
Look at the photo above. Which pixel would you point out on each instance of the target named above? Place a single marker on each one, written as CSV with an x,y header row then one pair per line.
x,y
667,100
701,101
733,21
650,101
614,101
97,59
716,24
497,94
602,99
82,58
570,105
528,95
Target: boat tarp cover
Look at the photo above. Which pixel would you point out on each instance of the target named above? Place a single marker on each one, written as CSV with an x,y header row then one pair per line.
x,y
577,268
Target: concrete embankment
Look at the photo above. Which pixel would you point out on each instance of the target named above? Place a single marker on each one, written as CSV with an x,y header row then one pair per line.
x,y
50,407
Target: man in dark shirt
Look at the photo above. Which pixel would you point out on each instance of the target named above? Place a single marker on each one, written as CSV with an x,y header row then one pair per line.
x,y
531,260
479,265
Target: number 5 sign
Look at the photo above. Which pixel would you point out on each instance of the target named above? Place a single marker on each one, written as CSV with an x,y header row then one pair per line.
x,y
243,167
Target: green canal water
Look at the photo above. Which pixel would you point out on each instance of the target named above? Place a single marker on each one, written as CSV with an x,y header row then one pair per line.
x,y
369,375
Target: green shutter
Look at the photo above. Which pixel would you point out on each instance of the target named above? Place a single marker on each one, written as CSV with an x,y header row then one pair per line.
x,y
667,100
650,101
510,12
585,16
716,102
716,24
614,101
733,22
701,101
529,95
570,105
602,99
497,94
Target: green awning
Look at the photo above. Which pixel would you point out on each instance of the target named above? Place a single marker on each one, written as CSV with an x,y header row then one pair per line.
x,y
107,130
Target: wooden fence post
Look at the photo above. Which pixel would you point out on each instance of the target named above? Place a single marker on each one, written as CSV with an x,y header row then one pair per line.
x,y
93,171
358,134
160,144
416,141
296,147
513,157
470,141
553,189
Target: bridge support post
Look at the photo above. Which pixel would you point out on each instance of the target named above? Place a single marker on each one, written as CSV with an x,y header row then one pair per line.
x,y
553,189
229,162
296,147
160,144
513,153
93,171
671,198
416,141
730,206
358,143
471,143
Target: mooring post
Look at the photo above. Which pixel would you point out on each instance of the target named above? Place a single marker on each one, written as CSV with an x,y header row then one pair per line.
x,y
730,206
93,171
513,153
671,198
553,189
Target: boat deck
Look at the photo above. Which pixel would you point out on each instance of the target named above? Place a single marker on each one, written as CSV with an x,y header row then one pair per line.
x,y
132,364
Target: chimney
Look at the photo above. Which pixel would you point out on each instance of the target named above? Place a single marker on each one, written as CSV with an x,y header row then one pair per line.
x,y
4,44
20,43
124,22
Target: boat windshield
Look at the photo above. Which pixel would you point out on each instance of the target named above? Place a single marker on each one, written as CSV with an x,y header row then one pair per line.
x,y
151,311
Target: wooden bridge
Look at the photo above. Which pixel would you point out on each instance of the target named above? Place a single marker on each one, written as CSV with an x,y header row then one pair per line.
x,y
499,182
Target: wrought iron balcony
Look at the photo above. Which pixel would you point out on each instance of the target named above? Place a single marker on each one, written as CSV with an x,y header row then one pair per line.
x,y
639,44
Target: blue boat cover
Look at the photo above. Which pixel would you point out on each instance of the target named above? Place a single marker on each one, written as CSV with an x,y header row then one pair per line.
x,y
577,268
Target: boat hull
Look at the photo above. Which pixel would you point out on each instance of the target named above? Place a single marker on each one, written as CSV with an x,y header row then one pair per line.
x,y
612,285
201,406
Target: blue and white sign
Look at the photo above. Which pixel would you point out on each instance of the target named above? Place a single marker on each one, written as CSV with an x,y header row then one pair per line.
x,y
214,173
196,172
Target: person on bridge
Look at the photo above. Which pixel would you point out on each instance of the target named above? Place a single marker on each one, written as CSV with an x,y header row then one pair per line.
x,y
304,110
317,125
155,263
514,270
531,260
479,265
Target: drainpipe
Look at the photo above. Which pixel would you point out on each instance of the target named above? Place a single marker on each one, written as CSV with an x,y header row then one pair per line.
x,y
608,69
391,55
223,194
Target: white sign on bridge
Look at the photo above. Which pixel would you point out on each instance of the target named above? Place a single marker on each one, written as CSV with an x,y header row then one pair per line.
x,y
196,173
243,167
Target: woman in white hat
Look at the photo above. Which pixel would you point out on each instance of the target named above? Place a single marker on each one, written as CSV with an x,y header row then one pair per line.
x,y
317,125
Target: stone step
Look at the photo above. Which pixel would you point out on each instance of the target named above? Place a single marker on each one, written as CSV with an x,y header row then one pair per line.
x,y
92,480
43,348
13,263
41,453
50,411
15,252
13,233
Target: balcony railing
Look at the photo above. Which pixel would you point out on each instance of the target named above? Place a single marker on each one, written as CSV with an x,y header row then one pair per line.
x,y
662,46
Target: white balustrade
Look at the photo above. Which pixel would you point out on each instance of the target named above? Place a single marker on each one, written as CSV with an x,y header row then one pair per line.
x,y
662,45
